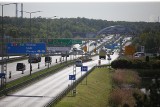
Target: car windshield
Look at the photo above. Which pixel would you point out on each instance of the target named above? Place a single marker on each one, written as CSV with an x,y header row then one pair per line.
x,y
79,61
19,65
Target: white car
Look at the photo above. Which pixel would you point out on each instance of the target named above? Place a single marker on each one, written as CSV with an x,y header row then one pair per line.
x,y
139,54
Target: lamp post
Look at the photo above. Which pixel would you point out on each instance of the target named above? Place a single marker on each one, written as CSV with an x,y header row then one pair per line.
x,y
47,34
2,45
30,13
47,24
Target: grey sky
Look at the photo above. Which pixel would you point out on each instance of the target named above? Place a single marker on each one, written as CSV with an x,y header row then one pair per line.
x,y
112,11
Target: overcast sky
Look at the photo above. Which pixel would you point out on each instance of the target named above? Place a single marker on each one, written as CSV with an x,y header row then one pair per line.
x,y
111,11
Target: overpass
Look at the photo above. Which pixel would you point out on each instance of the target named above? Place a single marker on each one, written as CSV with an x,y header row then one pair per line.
x,y
117,29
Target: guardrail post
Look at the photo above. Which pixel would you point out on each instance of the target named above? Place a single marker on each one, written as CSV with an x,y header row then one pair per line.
x,y
56,60
22,71
10,74
31,67
48,65
38,65
60,60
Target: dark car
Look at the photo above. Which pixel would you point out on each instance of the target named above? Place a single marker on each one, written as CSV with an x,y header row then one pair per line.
x,y
63,54
79,63
35,58
48,59
21,67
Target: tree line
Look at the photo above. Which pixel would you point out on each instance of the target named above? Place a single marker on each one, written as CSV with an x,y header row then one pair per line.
x,y
145,33
149,37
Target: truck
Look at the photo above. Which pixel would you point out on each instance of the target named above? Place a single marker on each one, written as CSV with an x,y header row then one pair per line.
x,y
102,54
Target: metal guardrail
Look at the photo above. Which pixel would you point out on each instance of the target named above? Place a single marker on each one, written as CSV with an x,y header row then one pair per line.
x,y
56,99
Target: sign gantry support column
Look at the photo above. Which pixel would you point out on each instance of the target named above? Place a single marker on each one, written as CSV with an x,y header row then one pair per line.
x,y
74,73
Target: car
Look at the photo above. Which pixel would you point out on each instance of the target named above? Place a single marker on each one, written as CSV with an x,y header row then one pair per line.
x,y
74,49
20,67
64,54
79,63
112,53
48,59
34,58
139,54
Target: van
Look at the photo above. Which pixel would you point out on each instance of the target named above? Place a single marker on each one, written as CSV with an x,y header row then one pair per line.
x,y
79,63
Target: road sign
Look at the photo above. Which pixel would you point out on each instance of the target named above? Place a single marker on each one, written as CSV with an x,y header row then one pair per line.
x,y
84,68
63,42
76,41
26,48
59,49
111,46
60,42
129,50
2,75
72,77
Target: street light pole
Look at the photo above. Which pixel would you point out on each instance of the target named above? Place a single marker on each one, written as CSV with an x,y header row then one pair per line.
x,y
30,13
47,24
2,47
47,35
2,66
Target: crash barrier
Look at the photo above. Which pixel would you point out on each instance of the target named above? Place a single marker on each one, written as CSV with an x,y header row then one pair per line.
x,y
14,59
103,66
56,99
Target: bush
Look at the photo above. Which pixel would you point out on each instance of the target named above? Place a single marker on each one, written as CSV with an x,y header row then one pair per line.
x,y
126,77
137,64
121,63
120,97
156,64
123,96
147,58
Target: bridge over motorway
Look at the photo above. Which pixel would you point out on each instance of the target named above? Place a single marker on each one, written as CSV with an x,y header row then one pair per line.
x,y
117,29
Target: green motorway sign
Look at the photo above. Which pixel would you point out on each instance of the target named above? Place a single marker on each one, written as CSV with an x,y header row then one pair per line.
x,y
63,42
76,41
60,42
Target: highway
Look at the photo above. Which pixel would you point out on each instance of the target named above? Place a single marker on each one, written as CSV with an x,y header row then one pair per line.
x,y
40,93
11,67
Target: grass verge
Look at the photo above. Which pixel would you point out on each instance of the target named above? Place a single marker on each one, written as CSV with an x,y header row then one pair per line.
x,y
94,94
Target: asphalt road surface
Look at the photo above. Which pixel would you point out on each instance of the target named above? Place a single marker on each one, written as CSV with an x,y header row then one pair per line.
x,y
40,93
